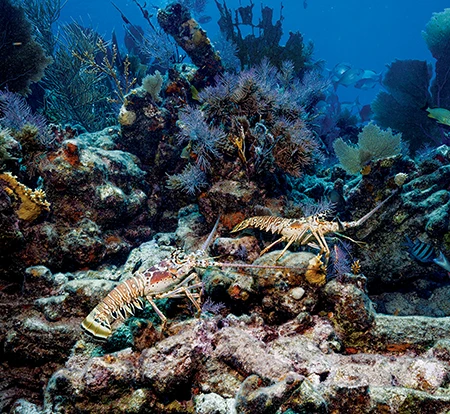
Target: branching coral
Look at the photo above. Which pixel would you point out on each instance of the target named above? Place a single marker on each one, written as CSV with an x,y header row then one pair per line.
x,y
373,144
74,94
32,202
98,61
43,14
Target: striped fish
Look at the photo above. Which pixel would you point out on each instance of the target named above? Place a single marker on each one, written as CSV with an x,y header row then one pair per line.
x,y
420,251
426,253
442,261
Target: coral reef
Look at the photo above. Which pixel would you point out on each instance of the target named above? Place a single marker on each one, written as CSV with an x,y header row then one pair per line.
x,y
32,203
373,144
106,220
176,20
125,211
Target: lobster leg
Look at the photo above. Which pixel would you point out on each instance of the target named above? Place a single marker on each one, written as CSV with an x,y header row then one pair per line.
x,y
160,314
324,249
292,240
266,249
192,299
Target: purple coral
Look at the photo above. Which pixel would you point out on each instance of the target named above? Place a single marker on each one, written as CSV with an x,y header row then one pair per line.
x,y
17,113
340,259
202,137
190,180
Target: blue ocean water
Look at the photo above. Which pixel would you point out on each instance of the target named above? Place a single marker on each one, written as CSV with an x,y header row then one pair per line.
x,y
365,34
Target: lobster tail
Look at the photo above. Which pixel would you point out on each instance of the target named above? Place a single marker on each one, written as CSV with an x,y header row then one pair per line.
x,y
99,328
121,301
273,224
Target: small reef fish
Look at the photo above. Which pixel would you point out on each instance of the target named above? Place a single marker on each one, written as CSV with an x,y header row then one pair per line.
x,y
426,253
351,76
441,115
204,19
344,74
338,71
368,80
442,261
420,251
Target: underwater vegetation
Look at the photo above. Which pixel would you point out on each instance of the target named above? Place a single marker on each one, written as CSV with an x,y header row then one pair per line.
x,y
145,186
23,58
413,86
251,124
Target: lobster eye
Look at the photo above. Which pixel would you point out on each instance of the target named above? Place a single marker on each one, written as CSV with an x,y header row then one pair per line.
x,y
180,257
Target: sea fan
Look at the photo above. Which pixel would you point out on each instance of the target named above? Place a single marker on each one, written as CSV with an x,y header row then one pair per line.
x,y
17,113
191,180
228,53
202,137
324,207
340,262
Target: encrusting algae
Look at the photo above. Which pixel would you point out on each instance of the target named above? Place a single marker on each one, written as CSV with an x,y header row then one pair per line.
x,y
32,202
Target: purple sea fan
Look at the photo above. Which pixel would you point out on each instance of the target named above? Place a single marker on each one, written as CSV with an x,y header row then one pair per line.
x,y
213,307
340,259
202,137
324,207
190,180
17,113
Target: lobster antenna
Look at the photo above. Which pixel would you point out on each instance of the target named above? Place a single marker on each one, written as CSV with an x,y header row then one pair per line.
x,y
247,265
211,235
373,211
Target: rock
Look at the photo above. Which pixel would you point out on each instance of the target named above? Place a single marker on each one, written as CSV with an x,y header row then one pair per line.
x,y
24,407
354,313
247,355
253,397
305,399
244,248
213,404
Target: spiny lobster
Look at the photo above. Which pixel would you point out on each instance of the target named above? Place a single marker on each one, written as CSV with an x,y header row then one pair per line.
x,y
170,278
303,230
